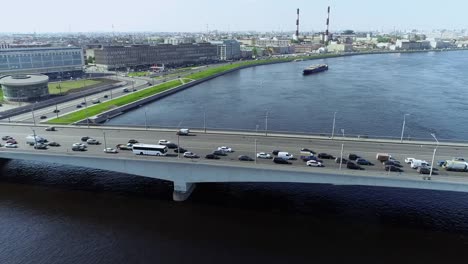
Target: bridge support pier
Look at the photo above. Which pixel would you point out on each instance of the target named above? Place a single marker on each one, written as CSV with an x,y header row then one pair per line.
x,y
182,190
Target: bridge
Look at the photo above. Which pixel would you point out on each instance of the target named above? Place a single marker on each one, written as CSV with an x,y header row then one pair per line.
x,y
185,173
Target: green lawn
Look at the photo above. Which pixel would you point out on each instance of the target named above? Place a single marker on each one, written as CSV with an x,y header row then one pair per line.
x,y
1,94
71,85
102,107
138,74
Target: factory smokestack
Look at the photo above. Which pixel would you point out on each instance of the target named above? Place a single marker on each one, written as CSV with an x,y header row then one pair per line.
x,y
297,24
327,33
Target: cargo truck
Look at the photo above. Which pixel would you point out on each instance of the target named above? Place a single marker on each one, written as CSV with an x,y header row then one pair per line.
x,y
453,165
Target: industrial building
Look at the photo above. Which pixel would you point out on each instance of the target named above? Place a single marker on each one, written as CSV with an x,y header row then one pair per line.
x,y
134,56
25,87
228,49
52,61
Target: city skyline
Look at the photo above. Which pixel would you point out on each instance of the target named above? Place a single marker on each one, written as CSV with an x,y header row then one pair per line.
x,y
244,15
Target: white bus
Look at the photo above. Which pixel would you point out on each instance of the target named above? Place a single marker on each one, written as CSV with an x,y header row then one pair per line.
x,y
148,149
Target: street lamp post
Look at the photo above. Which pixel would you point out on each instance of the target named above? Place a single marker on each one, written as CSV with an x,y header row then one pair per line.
x,y
266,123
342,131
433,155
333,129
178,146
403,127
105,141
35,139
341,155
86,112
32,112
255,154
146,120
204,121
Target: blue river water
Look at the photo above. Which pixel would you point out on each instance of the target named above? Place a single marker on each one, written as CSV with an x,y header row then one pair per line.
x,y
370,93
52,213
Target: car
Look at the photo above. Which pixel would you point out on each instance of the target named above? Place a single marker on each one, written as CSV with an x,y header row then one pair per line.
x,y
219,153
245,158
51,128
352,156
78,106
325,156
183,132
92,141
106,96
353,166
12,141
275,152
123,146
263,155
308,150
125,90
344,161
281,161
190,155
458,159
43,117
40,146
409,160
83,103
82,145
84,139
53,144
211,156
110,150
314,163
11,145
392,168
225,149
132,141
424,170
392,163
78,148
180,150
6,137
171,145
362,161
163,142
311,158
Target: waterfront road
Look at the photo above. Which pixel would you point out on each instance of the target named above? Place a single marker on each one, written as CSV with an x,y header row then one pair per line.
x,y
203,144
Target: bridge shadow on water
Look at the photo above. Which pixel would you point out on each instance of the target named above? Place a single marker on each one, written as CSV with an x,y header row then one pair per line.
x,y
131,218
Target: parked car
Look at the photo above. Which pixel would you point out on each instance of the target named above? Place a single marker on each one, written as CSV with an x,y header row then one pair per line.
x,y
308,150
362,161
352,156
314,163
211,156
171,145
337,160
392,168
245,158
219,153
275,152
163,142
40,146
92,141
281,161
53,144
225,149
110,150
263,155
325,156
11,145
180,150
51,128
6,137
190,155
424,170
84,139
132,141
353,166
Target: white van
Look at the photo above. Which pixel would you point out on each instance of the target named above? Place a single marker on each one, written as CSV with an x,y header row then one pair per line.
x,y
96,101
418,163
285,155
31,141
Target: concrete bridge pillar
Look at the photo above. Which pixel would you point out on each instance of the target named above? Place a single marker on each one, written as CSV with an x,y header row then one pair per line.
x,y
182,190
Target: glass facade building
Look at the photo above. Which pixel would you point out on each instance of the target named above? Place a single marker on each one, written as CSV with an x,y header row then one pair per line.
x,y
25,87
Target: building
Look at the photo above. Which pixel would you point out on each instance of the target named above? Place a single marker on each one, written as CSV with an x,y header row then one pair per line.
x,y
340,47
412,45
437,44
272,42
305,48
135,56
51,61
228,49
178,40
25,87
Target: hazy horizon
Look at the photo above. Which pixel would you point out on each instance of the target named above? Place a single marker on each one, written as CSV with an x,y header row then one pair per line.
x,y
50,16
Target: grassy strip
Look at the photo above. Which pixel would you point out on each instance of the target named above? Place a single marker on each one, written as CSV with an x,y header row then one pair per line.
x,y
70,85
138,74
105,106
1,94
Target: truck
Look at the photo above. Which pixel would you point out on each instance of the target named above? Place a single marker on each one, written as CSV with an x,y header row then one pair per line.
x,y
31,141
453,165
285,155
382,157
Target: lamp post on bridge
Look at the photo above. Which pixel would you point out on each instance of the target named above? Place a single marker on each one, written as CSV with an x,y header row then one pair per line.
x,y
105,141
403,127
433,156
342,146
266,124
333,129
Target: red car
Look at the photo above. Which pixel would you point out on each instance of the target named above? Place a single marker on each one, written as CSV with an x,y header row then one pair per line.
x,y
12,141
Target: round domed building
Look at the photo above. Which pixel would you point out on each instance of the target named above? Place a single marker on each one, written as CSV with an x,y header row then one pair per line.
x,y
25,87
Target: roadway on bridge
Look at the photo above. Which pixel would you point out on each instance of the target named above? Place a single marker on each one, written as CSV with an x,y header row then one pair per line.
x,y
203,144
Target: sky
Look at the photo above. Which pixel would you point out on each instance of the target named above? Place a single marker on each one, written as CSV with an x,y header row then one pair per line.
x,y
40,16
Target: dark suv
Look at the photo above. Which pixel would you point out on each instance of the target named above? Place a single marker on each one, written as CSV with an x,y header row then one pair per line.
x,y
325,156
281,161
353,166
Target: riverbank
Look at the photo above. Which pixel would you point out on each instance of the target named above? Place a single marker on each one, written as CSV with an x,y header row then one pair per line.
x,y
197,78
